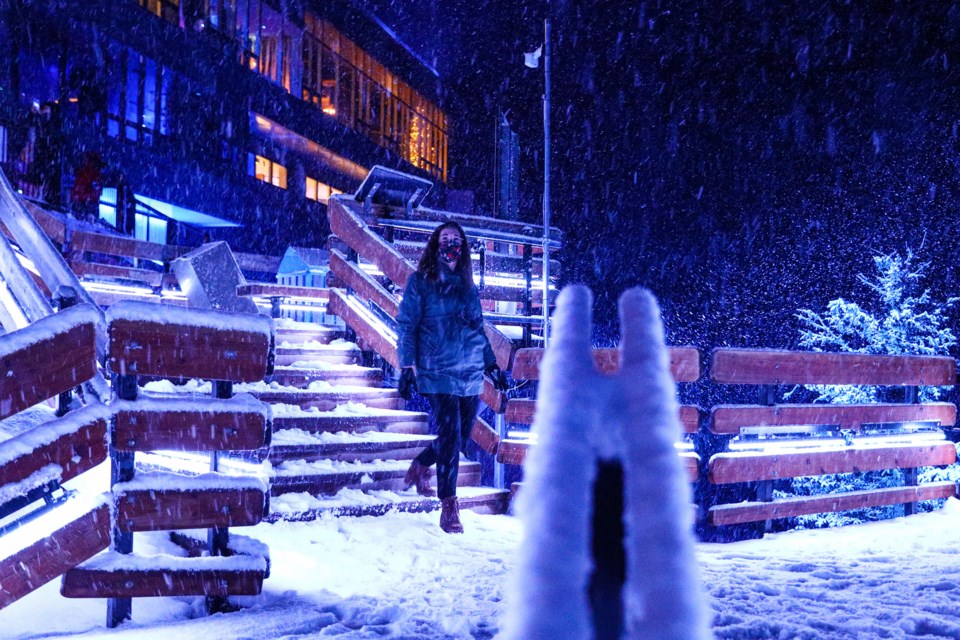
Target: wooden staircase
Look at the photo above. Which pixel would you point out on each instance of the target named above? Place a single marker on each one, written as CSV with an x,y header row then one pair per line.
x,y
342,441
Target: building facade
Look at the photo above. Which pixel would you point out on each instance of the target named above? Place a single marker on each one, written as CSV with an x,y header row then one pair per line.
x,y
222,119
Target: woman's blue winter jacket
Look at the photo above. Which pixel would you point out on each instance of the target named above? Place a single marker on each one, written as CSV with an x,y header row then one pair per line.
x,y
441,333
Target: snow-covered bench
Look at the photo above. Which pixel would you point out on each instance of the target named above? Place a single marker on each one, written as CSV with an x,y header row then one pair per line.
x,y
782,441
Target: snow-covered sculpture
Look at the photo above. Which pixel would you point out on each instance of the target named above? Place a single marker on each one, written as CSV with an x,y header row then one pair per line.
x,y
584,416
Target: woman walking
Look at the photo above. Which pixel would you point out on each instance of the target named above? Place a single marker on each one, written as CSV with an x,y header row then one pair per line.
x,y
443,353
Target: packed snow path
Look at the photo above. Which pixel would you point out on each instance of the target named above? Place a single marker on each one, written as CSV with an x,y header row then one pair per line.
x,y
400,576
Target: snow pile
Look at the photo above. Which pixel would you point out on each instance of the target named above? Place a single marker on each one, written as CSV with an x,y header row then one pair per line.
x,y
632,417
313,345
166,481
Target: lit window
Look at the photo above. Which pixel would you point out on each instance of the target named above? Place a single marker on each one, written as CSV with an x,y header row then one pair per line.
x,y
319,191
3,144
266,170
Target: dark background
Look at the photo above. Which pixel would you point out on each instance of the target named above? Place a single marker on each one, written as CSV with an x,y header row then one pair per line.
x,y
741,159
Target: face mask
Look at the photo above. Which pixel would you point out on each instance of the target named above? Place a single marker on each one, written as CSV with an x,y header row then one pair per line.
x,y
450,250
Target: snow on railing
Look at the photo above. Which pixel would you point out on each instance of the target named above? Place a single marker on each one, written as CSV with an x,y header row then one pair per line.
x,y
599,435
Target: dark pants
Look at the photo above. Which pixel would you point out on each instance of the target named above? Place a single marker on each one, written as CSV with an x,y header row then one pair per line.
x,y
455,416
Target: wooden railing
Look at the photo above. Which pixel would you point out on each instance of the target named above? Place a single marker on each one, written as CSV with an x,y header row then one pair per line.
x,y
842,444
45,361
180,343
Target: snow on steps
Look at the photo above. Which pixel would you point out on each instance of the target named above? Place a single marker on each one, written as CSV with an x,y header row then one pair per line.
x,y
297,444
352,502
318,395
351,375
349,416
327,477
335,352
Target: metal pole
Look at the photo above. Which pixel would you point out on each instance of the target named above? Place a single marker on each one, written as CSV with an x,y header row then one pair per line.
x,y
546,182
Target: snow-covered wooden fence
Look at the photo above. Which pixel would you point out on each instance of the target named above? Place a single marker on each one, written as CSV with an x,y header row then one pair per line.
x,y
43,362
147,339
770,441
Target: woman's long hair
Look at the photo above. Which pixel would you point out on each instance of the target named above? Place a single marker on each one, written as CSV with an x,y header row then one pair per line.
x,y
430,262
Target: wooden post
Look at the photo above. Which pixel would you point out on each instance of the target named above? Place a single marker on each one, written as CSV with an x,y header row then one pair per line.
x,y
499,469
609,554
64,298
527,292
218,538
121,470
911,395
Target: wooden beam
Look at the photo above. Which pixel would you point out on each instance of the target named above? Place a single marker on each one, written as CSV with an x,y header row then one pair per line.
x,y
140,426
349,227
485,437
67,546
124,246
684,363
729,419
496,400
363,283
751,466
741,512
762,366
512,451
52,355
195,344
690,462
97,270
257,263
82,582
76,442
268,290
364,327
55,229
160,510
522,410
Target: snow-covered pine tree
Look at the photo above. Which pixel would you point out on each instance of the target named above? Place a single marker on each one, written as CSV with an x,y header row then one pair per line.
x,y
905,320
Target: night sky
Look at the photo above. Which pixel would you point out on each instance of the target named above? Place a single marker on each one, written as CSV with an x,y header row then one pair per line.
x,y
742,159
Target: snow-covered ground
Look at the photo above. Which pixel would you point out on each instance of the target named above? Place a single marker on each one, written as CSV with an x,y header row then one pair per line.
x,y
399,576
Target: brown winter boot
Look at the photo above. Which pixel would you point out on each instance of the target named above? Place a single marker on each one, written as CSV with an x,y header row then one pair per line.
x,y
450,515
419,475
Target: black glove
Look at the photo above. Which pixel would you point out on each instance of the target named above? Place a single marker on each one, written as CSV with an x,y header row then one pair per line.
x,y
498,378
408,383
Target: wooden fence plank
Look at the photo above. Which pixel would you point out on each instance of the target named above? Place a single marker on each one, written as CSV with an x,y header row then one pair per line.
x,y
684,363
124,246
363,283
750,466
266,289
485,437
760,366
147,429
32,567
160,510
385,345
51,356
739,513
729,419
522,410
133,583
190,344
81,445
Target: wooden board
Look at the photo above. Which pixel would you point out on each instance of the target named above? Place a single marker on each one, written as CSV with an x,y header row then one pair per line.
x,y
148,348
410,422
753,466
160,510
351,275
691,464
76,452
268,290
97,270
55,229
50,364
729,419
151,429
364,328
67,546
496,400
485,437
124,246
728,514
761,366
684,363
257,263
93,583
522,410
348,226
513,451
